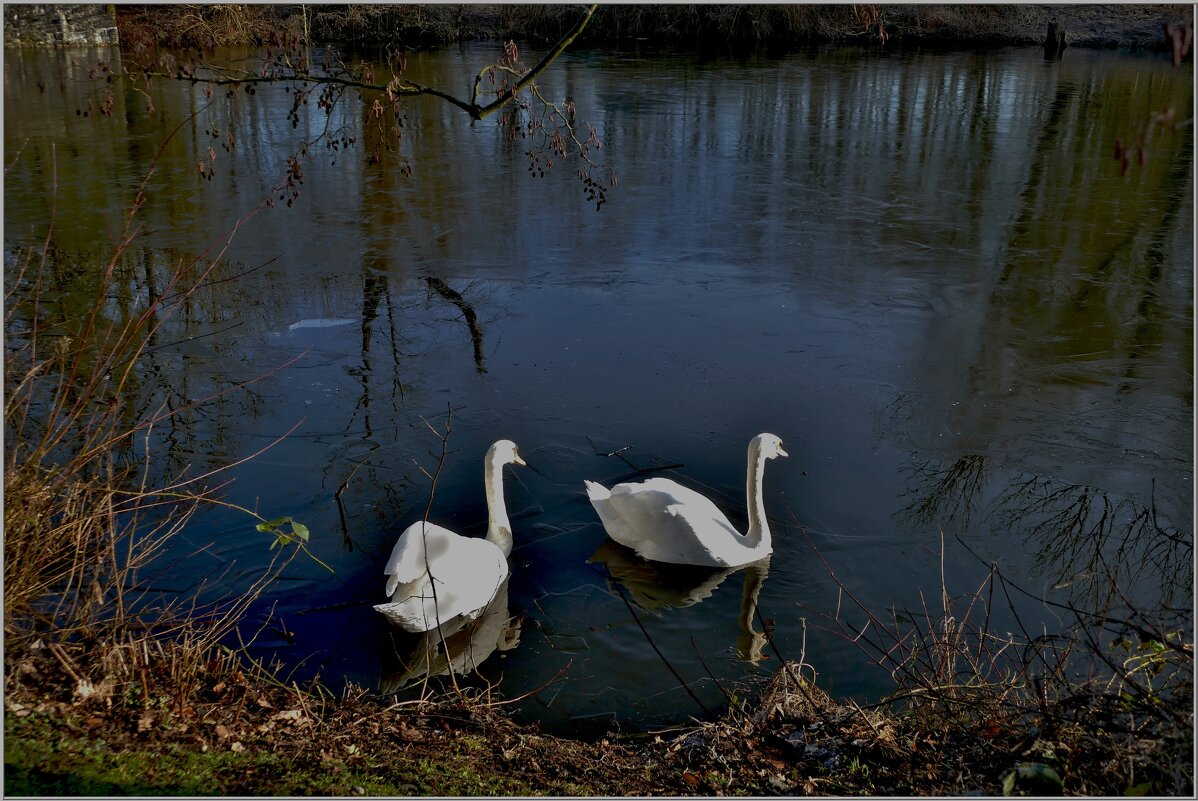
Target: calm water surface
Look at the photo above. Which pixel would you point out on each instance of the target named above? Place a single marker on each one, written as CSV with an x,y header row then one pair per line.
x,y
924,272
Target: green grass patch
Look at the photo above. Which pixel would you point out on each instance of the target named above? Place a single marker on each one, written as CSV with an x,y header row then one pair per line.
x,y
42,757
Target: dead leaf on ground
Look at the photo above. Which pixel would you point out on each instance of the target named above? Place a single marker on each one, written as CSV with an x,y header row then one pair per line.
x,y
292,715
145,721
776,764
222,731
237,747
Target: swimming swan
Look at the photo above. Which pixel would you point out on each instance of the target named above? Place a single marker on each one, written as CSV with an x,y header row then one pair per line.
x,y
664,521
462,574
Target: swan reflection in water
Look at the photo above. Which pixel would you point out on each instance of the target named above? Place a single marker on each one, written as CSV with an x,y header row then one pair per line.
x,y
461,645
657,586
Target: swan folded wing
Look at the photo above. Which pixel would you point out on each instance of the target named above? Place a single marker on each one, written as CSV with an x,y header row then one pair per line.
x,y
467,572
666,522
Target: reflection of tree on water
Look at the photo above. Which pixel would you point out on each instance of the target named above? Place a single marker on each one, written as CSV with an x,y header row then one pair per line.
x,y
476,332
383,314
656,586
1097,546
460,645
950,494
1096,543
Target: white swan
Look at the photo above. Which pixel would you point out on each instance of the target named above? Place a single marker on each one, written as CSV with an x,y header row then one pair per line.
x,y
435,575
664,521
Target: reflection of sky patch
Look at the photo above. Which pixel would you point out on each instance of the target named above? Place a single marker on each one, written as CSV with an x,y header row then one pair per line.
x,y
322,322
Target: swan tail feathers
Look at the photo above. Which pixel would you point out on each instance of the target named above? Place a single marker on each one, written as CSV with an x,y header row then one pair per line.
x,y
597,492
401,615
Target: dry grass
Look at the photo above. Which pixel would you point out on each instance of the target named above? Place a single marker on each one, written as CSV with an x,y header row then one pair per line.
x,y
87,514
204,27
1101,706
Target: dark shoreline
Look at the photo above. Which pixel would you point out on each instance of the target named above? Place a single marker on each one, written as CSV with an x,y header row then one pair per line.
x,y
717,26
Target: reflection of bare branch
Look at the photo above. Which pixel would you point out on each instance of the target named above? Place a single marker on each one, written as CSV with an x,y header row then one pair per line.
x,y
1091,542
345,535
476,332
1095,543
953,494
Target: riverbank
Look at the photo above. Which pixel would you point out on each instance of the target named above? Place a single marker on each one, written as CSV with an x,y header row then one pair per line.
x,y
238,731
407,26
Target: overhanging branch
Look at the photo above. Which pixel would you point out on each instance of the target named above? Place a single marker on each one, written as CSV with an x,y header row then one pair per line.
x,y
397,87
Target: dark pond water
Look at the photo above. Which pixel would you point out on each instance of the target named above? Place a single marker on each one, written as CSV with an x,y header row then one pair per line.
x,y
924,272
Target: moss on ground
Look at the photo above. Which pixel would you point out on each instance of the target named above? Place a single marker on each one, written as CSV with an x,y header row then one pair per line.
x,y
46,754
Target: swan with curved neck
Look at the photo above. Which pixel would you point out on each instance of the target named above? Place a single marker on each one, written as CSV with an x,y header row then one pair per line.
x,y
435,575
666,522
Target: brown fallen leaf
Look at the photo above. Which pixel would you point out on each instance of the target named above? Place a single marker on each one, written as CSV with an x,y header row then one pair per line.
x,y
776,764
222,731
145,721
691,779
295,715
237,748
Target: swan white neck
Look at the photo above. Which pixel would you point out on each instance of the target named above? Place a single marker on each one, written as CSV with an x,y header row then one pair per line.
x,y
758,535
499,528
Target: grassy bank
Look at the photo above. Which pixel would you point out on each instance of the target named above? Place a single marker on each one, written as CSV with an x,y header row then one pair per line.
x,y
1138,26
242,733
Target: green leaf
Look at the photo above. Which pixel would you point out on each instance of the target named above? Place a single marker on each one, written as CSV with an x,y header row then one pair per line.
x,y
1008,782
300,530
1140,789
263,527
1039,778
